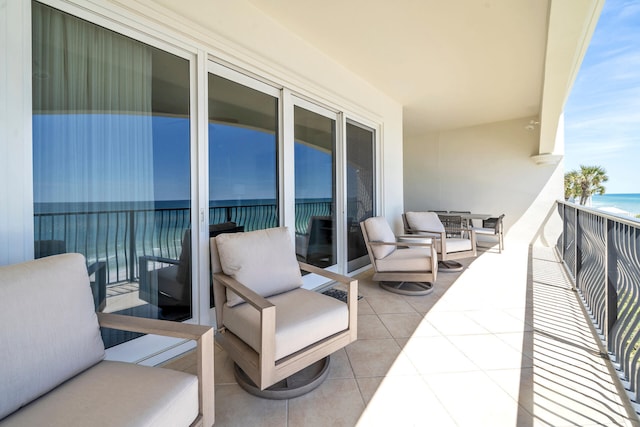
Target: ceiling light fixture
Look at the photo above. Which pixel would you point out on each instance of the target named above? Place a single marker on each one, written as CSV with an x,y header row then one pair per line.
x,y
532,125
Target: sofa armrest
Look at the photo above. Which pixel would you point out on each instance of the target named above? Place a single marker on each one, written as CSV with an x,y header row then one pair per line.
x,y
203,335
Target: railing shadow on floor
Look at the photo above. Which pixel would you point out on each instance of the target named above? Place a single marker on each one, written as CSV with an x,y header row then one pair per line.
x,y
573,380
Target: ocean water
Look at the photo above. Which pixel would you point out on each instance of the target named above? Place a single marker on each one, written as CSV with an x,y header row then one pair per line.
x,y
626,202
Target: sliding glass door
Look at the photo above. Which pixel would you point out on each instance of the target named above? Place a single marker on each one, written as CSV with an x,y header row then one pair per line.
x,y
315,184
243,153
112,164
360,141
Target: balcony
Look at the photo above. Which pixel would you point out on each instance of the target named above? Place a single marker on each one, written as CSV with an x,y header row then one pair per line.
x,y
506,342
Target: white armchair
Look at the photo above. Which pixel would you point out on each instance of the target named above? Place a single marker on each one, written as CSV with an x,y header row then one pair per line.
x,y
404,267
449,248
269,325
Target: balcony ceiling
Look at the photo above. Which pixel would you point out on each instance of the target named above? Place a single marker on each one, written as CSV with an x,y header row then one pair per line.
x,y
450,64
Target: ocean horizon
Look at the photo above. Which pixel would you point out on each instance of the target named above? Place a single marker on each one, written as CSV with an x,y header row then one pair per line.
x,y
629,202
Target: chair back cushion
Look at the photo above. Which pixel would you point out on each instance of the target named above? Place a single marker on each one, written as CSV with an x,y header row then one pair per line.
x,y
424,221
378,230
49,330
263,260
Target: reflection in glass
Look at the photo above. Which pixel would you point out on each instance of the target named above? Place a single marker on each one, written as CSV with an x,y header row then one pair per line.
x,y
360,190
111,164
315,187
243,153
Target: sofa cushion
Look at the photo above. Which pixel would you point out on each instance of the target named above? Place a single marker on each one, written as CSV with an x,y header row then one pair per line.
x,y
263,260
428,221
378,230
303,317
115,394
406,260
52,334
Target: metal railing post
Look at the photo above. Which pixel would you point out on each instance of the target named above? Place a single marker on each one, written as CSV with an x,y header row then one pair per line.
x,y
611,278
578,244
132,247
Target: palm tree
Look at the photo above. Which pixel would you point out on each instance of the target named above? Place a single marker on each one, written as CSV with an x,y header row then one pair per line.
x,y
585,182
571,185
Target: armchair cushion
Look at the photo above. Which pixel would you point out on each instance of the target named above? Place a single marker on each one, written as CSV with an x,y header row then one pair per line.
x,y
379,231
263,260
68,326
455,244
406,260
303,318
116,394
425,221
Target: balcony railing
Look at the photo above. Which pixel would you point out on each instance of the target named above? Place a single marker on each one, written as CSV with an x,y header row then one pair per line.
x,y
119,237
601,253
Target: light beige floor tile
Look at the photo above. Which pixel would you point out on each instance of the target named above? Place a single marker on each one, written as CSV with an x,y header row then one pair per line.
x,y
497,321
473,399
236,407
390,303
517,383
401,325
375,358
401,401
454,323
339,366
369,288
425,303
371,327
487,351
364,307
337,402
436,355
519,341
223,368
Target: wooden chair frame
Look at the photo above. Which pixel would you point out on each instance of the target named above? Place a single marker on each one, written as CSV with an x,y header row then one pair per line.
x,y
261,366
202,335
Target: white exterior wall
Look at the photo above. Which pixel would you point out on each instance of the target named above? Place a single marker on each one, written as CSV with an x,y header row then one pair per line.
x,y
484,169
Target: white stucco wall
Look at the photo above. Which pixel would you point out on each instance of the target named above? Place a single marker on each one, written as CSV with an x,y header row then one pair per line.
x,y
485,169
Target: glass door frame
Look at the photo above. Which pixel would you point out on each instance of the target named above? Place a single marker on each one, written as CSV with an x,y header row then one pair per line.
x,y
213,66
291,100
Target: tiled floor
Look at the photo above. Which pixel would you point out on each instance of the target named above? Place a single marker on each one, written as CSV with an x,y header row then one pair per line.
x,y
504,343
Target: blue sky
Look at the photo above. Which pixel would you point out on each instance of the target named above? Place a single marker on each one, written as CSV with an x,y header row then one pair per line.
x,y
602,114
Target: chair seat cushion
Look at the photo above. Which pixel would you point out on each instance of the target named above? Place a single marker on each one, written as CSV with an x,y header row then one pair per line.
x,y
482,230
455,244
303,317
406,260
115,394
263,260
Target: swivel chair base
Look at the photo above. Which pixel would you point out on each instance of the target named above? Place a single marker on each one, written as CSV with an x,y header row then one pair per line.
x,y
408,288
300,383
449,266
